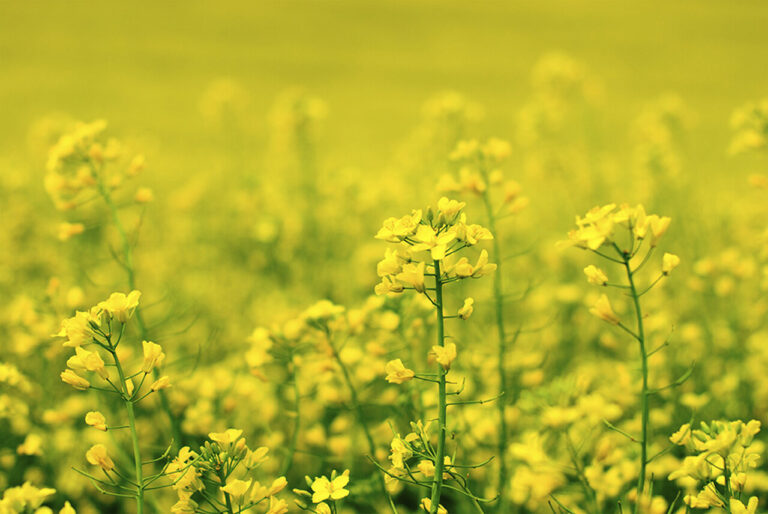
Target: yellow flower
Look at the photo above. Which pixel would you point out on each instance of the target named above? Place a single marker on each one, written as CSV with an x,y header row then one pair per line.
x,y
70,377
277,506
96,420
449,208
658,226
397,373
227,437
399,453
682,436
427,238
77,329
97,456
184,506
738,508
153,356
121,306
277,485
324,489
445,355
426,504
387,286
395,230
67,509
413,276
463,269
603,310
256,457
67,230
161,383
471,234
595,275
143,195
322,508
237,488
467,309
669,262
83,360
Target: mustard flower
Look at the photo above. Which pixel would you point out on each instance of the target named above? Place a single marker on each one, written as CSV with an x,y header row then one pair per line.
x,y
603,310
161,383
237,488
324,489
98,456
153,356
445,355
669,262
70,377
397,373
277,506
227,437
96,420
467,309
121,306
595,275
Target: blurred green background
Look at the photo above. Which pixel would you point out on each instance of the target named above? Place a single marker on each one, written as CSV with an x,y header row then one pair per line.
x,y
143,65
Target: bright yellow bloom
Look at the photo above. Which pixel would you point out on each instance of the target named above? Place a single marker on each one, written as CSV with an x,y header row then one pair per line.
x,y
395,230
322,508
277,485
426,504
97,456
277,506
83,360
669,262
163,382
237,488
450,208
467,309
227,437
603,310
67,509
445,355
153,356
70,377
413,276
121,306
256,457
595,275
739,508
427,238
324,489
659,226
77,329
96,420
399,452
397,373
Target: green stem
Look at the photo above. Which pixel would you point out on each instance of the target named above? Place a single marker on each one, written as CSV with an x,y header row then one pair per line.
x,y
361,420
498,294
134,437
644,393
296,425
131,275
437,484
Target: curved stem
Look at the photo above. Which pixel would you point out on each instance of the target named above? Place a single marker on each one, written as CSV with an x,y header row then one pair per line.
x,y
437,484
644,393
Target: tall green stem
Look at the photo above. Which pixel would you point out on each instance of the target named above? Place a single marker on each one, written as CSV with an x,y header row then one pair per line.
x,y
644,393
134,436
437,484
361,420
296,425
501,402
131,275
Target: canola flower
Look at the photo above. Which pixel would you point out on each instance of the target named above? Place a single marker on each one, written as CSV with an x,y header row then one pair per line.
x,y
626,236
426,241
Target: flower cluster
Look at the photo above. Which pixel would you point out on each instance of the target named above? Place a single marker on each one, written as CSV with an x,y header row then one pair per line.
x,y
717,475
222,474
76,164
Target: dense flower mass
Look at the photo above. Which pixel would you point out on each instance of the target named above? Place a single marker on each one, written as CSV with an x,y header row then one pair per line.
x,y
227,326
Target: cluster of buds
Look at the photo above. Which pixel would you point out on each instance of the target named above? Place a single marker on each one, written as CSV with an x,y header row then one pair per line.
x,y
76,165
221,473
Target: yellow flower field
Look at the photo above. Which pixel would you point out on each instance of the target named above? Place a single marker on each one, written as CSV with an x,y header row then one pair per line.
x,y
384,257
